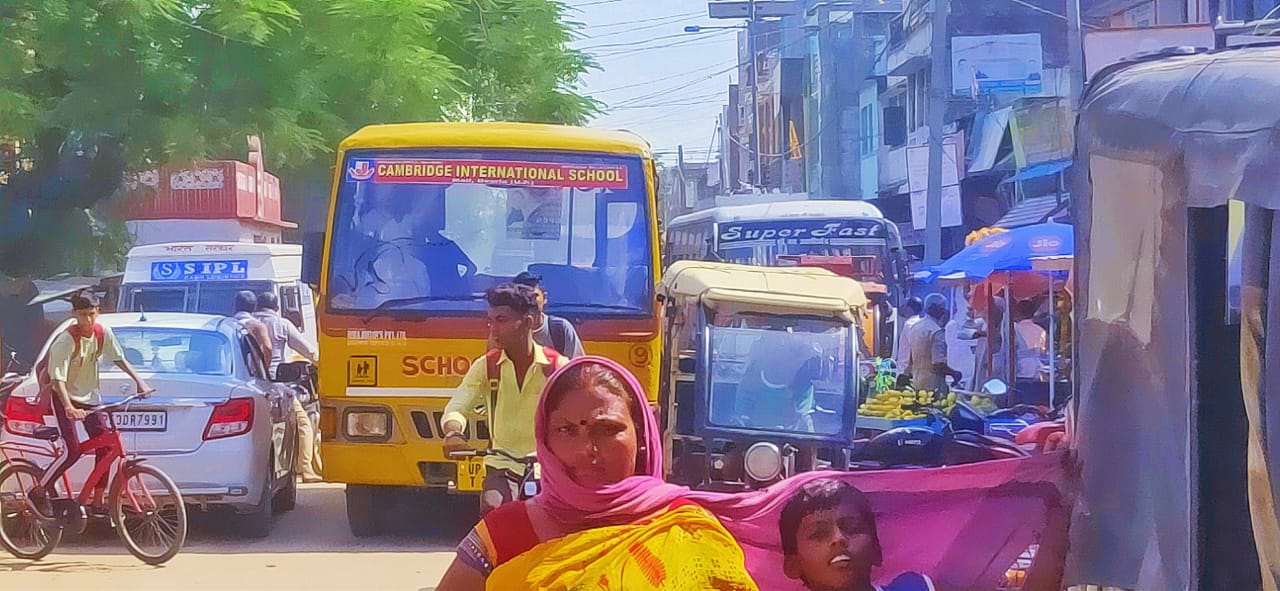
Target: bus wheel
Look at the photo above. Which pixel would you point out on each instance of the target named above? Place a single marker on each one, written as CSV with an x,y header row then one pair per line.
x,y
363,515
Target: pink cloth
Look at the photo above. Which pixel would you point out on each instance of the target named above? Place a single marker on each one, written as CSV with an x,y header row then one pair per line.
x,y
963,526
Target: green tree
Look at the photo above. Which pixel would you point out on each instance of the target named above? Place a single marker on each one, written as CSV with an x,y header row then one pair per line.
x,y
164,81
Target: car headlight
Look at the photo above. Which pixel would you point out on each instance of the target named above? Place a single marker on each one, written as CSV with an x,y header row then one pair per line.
x,y
763,461
368,424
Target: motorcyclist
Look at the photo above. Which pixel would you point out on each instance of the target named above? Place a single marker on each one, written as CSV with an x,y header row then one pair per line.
x,y
507,383
285,336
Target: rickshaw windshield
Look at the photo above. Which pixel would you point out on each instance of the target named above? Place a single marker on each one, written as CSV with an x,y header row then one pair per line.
x,y
784,374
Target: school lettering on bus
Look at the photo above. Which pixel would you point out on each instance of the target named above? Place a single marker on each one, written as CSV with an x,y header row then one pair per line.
x,y
491,172
199,270
435,365
774,230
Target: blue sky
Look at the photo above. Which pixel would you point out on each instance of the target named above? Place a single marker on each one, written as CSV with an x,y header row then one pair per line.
x,y
657,80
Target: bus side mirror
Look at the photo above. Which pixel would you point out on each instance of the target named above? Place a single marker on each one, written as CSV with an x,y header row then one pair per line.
x,y
312,257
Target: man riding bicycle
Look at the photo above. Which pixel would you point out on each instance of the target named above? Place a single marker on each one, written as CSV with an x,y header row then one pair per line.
x,y
72,385
507,382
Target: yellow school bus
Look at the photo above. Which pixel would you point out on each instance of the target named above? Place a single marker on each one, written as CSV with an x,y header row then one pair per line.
x,y
423,218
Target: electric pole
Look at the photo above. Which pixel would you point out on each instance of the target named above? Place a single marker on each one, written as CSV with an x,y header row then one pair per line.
x,y
1075,47
827,129
758,177
939,94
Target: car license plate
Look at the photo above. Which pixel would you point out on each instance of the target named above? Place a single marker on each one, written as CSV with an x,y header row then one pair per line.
x,y
471,474
141,421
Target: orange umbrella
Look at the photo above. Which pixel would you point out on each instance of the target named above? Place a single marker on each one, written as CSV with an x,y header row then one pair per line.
x,y
1024,284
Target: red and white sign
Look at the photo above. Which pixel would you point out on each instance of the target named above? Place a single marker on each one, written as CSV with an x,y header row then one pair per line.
x,y
501,172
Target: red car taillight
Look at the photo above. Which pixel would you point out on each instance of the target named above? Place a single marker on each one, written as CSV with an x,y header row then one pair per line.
x,y
21,417
231,418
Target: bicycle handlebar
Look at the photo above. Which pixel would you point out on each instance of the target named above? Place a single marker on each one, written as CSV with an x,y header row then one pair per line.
x,y
114,405
473,453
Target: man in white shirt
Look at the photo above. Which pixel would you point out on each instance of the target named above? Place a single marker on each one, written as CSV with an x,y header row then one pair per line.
x,y
911,312
1031,341
284,337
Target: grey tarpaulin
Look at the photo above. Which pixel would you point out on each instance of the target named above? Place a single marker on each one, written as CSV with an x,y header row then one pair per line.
x,y
1154,139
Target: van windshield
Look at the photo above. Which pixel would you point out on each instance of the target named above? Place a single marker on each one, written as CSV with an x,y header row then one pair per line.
x,y
201,297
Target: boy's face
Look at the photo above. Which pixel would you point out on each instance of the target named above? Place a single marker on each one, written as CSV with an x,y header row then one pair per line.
x,y
86,317
835,548
540,296
508,329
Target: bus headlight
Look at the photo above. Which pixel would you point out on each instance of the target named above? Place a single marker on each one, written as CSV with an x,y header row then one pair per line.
x,y
368,424
763,461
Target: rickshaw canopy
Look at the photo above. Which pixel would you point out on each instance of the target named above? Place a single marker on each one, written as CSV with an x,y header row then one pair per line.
x,y
730,288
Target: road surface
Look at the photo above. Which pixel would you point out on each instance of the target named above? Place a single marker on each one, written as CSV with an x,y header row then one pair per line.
x,y
310,549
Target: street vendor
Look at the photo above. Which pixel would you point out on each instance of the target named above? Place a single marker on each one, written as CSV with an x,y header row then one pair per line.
x,y
927,352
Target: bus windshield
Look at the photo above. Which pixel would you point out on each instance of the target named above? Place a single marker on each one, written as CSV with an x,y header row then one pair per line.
x,y
866,242
431,230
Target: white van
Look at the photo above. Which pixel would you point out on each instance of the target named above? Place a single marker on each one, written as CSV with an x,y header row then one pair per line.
x,y
203,277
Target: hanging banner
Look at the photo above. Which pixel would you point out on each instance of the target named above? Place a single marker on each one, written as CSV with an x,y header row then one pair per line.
x,y
489,172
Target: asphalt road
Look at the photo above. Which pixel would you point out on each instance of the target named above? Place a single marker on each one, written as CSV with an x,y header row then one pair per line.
x,y
309,549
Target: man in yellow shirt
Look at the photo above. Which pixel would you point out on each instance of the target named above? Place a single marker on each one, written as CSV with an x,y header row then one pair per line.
x,y
522,369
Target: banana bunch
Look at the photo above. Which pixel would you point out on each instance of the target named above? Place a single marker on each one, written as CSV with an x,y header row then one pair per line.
x,y
897,405
983,404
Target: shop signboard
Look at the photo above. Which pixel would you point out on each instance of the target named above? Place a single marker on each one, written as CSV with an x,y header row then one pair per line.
x,y
997,64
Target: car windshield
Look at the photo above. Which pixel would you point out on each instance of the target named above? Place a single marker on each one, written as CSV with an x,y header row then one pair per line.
x,y
430,231
779,373
173,351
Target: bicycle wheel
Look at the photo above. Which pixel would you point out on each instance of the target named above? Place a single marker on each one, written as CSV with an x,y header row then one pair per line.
x,y
148,513
23,531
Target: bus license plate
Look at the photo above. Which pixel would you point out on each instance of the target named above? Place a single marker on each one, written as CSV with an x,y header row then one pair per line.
x,y
141,421
471,475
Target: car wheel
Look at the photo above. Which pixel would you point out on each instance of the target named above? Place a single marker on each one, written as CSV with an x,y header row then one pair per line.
x,y
362,510
257,522
287,498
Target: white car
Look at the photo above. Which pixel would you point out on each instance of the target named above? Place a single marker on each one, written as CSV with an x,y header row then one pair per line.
x,y
224,432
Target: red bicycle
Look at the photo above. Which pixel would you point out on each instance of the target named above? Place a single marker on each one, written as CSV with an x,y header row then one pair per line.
x,y
144,505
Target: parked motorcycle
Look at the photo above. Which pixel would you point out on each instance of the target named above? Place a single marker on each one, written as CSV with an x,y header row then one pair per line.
x,y
961,439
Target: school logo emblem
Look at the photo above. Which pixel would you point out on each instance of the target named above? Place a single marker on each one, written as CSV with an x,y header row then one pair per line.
x,y
360,170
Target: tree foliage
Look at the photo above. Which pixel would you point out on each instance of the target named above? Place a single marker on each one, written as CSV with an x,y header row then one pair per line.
x,y
183,79
164,81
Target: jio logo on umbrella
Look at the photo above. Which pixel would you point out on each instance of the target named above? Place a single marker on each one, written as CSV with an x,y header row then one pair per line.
x,y
1046,244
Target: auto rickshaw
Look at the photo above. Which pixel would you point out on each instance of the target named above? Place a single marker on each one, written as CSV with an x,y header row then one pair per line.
x,y
758,376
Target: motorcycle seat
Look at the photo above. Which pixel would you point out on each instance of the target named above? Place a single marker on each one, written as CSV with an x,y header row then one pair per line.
x,y
46,433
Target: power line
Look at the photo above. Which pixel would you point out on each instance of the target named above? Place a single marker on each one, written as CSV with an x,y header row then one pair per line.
x,y
595,3
801,39
668,17
649,40
701,42
665,23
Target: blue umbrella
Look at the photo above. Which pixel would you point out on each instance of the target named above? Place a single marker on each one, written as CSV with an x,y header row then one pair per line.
x,y
1009,251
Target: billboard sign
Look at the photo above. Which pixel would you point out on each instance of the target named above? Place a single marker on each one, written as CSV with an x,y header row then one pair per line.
x,y
995,64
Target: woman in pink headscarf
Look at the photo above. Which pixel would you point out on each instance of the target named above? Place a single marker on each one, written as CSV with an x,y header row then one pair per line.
x,y
604,515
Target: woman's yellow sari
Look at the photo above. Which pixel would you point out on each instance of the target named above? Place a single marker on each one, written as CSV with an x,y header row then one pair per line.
x,y
682,549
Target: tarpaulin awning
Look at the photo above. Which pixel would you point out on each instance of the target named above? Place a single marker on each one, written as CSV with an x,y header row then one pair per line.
x,y
1036,171
1008,251
992,130
1032,211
